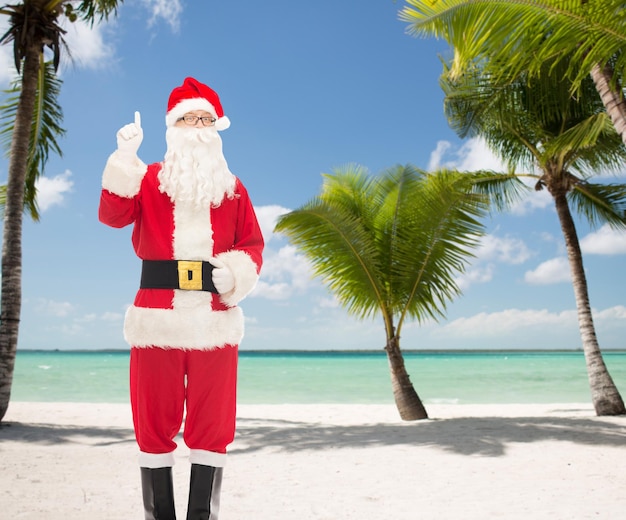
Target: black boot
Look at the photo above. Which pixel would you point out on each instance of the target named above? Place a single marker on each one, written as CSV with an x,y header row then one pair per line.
x,y
158,493
204,492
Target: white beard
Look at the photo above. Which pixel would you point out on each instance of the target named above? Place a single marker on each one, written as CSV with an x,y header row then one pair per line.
x,y
195,171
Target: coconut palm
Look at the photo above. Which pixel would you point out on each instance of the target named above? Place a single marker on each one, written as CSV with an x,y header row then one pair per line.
x,y
509,37
562,141
33,26
390,245
45,129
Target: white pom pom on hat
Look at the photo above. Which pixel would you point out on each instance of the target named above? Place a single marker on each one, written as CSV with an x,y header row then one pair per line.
x,y
193,95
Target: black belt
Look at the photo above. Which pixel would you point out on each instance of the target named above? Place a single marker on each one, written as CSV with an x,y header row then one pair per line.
x,y
189,275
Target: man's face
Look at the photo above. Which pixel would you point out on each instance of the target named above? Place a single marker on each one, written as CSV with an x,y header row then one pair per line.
x,y
196,118
194,169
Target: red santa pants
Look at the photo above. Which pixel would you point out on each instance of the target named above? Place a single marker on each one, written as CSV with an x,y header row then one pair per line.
x,y
165,381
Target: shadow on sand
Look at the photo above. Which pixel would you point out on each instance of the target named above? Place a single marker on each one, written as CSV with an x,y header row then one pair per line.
x,y
55,434
487,436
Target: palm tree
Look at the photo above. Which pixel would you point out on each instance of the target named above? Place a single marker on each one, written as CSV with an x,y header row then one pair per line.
x,y
45,129
509,37
33,26
536,122
390,245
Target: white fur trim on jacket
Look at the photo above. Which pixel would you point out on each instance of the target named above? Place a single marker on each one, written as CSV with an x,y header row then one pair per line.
x,y
123,175
244,271
198,328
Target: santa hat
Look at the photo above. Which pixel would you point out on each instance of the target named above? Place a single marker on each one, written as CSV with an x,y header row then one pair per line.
x,y
193,95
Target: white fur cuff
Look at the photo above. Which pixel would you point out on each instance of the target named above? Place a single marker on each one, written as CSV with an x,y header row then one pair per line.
x,y
122,176
207,458
245,272
156,460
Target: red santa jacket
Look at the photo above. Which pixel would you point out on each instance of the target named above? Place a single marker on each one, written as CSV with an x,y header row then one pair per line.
x,y
228,235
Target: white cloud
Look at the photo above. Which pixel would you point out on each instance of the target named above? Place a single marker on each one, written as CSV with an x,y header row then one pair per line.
x,y
284,272
507,250
328,303
437,155
534,200
493,249
267,217
7,70
51,191
87,318
87,45
273,291
475,274
112,316
611,316
507,322
473,155
549,237
71,329
167,10
494,329
551,271
53,308
605,241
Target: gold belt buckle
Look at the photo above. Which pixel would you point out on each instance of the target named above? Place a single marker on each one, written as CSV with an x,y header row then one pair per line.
x,y
190,275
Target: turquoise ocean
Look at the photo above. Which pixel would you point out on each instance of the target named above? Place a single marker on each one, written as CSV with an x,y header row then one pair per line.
x,y
464,377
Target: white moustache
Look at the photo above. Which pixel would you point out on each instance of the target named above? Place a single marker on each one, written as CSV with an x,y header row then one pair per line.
x,y
181,135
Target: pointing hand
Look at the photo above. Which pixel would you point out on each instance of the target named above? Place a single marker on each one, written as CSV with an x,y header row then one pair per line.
x,y
129,137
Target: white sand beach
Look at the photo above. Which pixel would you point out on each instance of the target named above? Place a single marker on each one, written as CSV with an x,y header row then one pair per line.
x,y
65,461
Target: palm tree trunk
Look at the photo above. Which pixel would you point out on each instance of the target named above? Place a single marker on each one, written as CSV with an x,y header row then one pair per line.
x,y
407,401
613,98
11,298
604,394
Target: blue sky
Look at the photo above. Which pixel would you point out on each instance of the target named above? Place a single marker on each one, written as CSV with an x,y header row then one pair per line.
x,y
308,87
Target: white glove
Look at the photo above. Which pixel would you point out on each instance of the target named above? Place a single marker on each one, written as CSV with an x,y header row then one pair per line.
x,y
223,280
129,138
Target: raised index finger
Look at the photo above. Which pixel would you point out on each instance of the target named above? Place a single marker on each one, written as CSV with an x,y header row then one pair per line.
x,y
138,119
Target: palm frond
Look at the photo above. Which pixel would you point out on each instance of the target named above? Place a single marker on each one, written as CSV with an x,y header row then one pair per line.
x,y
45,128
333,231
518,36
501,189
591,145
391,243
92,11
600,203
535,121
34,24
440,224
479,105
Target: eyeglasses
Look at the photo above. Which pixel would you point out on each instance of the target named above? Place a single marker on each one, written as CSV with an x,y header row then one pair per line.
x,y
193,120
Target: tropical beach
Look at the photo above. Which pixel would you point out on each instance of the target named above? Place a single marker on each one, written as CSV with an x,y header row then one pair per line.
x,y
461,153
331,460
297,462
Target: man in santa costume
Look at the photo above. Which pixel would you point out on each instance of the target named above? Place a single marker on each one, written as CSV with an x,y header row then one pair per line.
x,y
197,235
